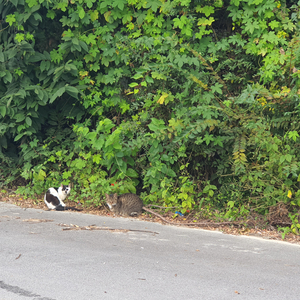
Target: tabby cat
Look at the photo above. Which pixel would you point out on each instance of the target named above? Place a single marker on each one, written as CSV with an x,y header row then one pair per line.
x,y
128,205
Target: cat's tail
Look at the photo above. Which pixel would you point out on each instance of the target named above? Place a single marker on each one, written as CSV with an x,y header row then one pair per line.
x,y
60,208
72,208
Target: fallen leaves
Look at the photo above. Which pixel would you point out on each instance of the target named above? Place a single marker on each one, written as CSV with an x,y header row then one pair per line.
x,y
257,226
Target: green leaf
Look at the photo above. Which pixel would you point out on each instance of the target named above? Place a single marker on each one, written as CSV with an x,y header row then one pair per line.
x,y
154,4
257,2
41,175
97,158
19,136
51,14
10,19
121,165
168,171
12,53
120,154
230,204
45,65
208,138
14,2
79,163
81,12
288,157
72,91
3,111
56,56
180,22
157,75
37,57
180,60
28,121
133,84
207,10
274,24
8,77
119,3
293,135
19,117
187,30
269,14
57,94
137,76
31,3
124,106
157,125
37,16
155,144
66,174
132,173
149,79
84,46
217,88
98,144
91,135
251,25
185,2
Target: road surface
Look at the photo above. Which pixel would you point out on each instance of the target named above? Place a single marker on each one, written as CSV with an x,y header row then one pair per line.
x,y
43,259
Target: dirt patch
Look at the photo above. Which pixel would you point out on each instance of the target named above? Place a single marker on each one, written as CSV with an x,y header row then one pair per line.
x,y
254,226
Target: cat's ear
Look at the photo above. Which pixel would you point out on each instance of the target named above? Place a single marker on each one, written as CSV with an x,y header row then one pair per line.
x,y
61,185
106,195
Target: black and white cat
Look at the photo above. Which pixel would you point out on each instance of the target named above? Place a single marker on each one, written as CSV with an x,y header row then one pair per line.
x,y
54,197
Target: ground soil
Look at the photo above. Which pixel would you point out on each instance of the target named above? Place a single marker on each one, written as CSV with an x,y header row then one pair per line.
x,y
256,226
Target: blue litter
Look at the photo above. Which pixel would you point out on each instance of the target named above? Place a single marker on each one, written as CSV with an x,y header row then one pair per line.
x,y
179,213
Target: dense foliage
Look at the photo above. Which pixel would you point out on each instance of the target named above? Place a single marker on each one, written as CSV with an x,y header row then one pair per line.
x,y
190,103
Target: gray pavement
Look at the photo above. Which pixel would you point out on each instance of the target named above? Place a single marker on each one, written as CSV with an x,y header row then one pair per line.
x,y
40,260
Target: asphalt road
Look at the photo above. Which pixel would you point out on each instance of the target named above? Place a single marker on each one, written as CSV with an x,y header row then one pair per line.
x,y
51,261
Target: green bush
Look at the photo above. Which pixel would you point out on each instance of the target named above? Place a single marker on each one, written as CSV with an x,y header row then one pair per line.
x,y
188,103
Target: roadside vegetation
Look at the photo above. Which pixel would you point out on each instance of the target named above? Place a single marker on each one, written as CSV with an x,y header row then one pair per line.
x,y
190,104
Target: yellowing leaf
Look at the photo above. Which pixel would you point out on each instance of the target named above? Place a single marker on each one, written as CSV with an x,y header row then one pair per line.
x,y
83,74
162,98
285,90
94,15
107,15
195,79
204,22
289,194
